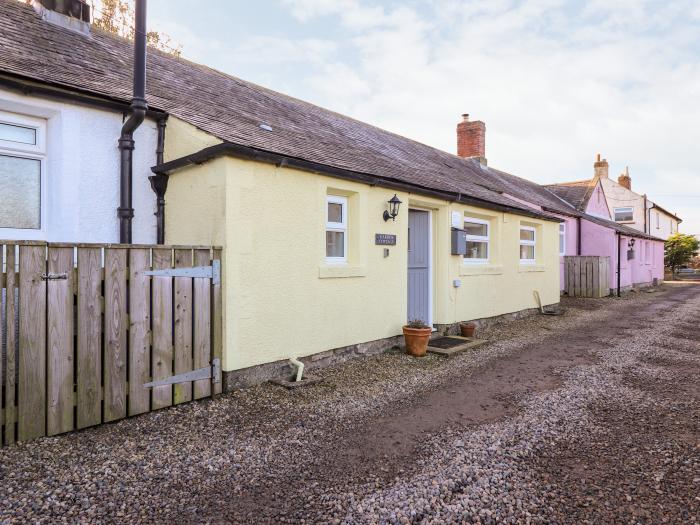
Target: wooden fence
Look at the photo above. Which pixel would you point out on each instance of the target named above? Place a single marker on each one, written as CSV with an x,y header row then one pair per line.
x,y
587,276
84,327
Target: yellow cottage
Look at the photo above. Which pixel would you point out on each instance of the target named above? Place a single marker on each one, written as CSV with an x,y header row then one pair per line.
x,y
315,265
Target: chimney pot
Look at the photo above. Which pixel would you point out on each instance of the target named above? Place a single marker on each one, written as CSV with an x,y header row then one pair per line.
x,y
471,139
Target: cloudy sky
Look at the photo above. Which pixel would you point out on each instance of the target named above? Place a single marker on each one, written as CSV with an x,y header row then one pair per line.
x,y
555,81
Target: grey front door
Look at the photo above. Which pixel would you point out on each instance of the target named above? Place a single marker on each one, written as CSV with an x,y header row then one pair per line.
x,y
419,265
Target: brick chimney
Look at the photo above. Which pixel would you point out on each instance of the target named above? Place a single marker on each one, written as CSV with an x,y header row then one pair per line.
x,y
471,139
600,168
625,180
69,14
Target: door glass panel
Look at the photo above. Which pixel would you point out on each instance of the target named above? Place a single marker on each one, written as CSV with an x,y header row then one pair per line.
x,y
19,134
20,204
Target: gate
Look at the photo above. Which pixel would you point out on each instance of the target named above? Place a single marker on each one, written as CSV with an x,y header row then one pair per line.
x,y
93,333
587,276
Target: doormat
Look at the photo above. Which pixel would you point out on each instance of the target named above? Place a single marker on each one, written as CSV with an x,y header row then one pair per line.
x,y
452,345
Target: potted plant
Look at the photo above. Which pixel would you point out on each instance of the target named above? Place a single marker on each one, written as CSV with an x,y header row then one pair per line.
x,y
416,334
467,329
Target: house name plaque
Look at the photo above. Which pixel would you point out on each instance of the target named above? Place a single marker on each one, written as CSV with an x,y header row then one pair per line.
x,y
384,239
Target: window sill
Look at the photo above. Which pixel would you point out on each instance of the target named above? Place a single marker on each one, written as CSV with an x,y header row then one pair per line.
x,y
524,268
333,271
480,269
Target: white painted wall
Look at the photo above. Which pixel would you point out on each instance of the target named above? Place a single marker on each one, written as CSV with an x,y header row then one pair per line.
x,y
81,192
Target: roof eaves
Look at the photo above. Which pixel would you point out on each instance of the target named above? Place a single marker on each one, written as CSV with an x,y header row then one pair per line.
x,y
250,153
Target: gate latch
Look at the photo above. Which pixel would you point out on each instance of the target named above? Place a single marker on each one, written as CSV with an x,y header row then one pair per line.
x,y
54,276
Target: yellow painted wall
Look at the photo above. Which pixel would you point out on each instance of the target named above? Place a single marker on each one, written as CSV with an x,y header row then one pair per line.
x,y
183,139
282,299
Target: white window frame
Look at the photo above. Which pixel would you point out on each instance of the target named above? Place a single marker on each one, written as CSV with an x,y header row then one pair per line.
x,y
479,238
532,243
33,152
562,238
630,208
338,227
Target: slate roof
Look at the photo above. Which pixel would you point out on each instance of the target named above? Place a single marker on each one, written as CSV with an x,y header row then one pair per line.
x,y
577,193
232,109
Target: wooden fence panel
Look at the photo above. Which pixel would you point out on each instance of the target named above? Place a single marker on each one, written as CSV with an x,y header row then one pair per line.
x,y
202,324
59,413
162,354
586,276
139,330
11,343
115,335
183,326
89,329
31,401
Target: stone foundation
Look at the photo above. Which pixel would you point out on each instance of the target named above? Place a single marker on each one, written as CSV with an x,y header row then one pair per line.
x,y
254,375
282,370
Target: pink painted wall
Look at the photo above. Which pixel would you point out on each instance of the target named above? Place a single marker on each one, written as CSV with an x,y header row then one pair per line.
x,y
646,265
597,205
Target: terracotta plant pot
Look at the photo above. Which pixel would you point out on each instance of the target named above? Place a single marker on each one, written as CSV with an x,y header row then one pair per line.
x,y
416,340
467,329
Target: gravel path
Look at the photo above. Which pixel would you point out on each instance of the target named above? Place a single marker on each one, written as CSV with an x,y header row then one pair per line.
x,y
589,417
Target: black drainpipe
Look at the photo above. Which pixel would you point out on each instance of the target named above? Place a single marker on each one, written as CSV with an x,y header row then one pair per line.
x,y
619,256
138,113
578,236
159,184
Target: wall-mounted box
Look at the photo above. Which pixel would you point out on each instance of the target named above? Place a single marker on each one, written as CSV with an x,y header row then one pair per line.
x,y
459,242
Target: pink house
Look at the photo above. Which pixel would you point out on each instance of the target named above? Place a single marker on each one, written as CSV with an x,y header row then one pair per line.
x,y
636,258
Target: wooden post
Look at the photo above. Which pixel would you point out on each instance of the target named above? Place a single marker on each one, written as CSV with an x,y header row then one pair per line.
x,y
31,401
89,351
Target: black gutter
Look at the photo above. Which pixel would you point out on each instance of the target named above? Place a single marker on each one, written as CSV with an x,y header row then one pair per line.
x,y
125,212
28,87
646,215
159,184
250,153
578,236
619,264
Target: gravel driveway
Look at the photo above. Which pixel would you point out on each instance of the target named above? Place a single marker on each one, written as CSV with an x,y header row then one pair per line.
x,y
589,417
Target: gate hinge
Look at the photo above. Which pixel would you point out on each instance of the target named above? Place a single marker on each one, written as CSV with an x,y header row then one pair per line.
x,y
208,372
212,272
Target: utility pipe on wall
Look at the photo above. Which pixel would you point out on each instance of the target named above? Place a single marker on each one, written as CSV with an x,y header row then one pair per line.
x,y
159,184
299,366
619,264
138,110
578,235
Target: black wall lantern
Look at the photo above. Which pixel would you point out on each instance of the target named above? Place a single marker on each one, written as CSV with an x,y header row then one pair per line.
x,y
393,211
631,243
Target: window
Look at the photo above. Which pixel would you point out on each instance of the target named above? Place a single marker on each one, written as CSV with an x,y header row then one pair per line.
x,y
562,238
657,221
624,214
336,229
527,245
21,166
477,237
